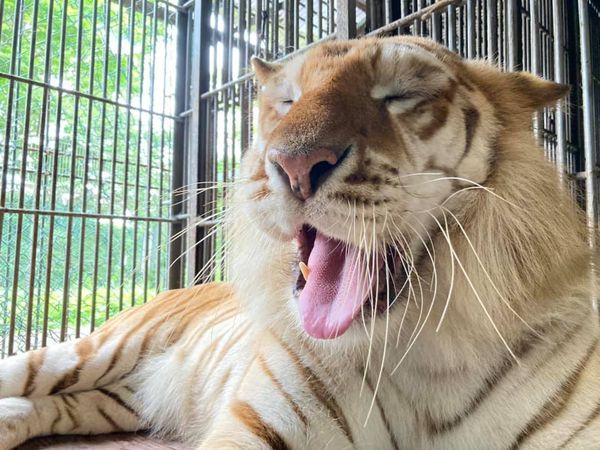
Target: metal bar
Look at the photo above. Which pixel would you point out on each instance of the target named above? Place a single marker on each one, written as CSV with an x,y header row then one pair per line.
x,y
330,16
217,192
59,108
288,26
309,21
559,77
492,27
136,195
1,16
436,26
146,251
76,214
421,14
124,239
19,232
588,118
320,18
275,25
470,25
535,58
75,93
296,12
88,139
452,27
176,239
107,19
511,34
7,138
41,151
228,42
181,44
247,33
67,265
113,171
346,19
196,149
214,40
241,39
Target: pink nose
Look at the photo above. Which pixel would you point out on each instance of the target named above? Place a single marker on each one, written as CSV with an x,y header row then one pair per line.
x,y
304,169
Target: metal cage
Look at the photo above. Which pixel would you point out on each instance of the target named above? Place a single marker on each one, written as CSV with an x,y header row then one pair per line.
x,y
87,113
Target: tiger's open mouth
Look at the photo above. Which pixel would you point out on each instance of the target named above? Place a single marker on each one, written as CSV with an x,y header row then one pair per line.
x,y
335,279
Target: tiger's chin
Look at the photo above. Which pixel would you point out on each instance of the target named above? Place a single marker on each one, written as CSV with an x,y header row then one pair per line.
x,y
339,284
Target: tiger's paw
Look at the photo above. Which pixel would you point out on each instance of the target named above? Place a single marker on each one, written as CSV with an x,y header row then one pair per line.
x,y
14,415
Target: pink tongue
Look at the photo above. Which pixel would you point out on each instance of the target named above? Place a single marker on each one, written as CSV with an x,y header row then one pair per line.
x,y
336,288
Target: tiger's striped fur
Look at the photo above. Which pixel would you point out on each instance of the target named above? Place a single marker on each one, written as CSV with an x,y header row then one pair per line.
x,y
491,342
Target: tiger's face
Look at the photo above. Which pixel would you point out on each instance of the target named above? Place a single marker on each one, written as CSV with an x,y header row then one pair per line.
x,y
361,146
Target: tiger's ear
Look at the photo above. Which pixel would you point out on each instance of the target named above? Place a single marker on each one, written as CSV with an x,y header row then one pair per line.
x,y
264,70
534,92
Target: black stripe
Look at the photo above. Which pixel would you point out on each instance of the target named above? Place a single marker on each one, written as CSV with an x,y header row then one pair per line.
x,y
321,393
557,403
593,416
383,415
472,118
72,418
117,399
56,419
34,364
68,398
525,345
109,419
246,414
286,395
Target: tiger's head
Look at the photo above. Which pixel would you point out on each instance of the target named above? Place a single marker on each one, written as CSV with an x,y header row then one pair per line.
x,y
370,156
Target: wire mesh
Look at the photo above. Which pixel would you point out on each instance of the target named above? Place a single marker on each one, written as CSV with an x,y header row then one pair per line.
x,y
87,116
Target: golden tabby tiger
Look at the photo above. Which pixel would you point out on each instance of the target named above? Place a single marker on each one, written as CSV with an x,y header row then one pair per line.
x,y
407,273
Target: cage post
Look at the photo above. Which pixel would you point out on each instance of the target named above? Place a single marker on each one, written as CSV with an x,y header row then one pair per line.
x,y
534,36
492,30
346,19
200,150
451,27
511,34
588,118
559,77
470,25
196,151
179,148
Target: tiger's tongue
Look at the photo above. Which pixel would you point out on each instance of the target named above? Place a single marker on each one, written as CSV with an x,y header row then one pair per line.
x,y
336,288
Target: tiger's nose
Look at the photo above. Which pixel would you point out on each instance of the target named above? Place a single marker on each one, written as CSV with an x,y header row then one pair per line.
x,y
305,171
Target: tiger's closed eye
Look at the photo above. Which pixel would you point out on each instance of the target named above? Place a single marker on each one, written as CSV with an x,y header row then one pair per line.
x,y
399,97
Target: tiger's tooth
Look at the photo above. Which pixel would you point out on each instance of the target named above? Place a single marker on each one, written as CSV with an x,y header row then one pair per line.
x,y
305,270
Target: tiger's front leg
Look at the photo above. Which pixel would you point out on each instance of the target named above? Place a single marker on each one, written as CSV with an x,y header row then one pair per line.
x,y
89,386
99,411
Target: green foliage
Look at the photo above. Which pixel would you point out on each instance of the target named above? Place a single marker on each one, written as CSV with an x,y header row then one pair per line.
x,y
67,153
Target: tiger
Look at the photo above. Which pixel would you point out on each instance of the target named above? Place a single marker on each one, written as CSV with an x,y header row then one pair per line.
x,y
406,269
